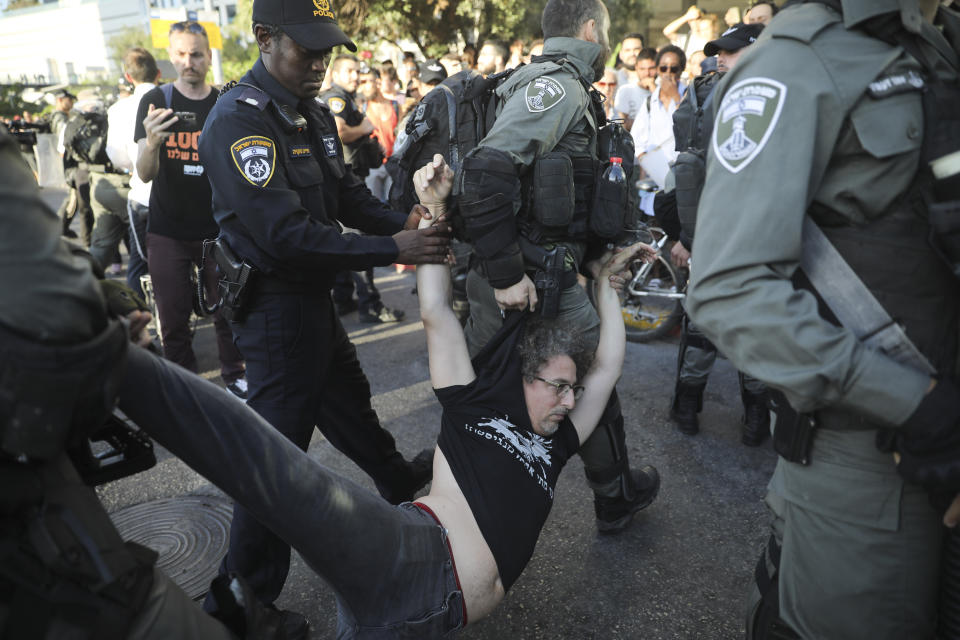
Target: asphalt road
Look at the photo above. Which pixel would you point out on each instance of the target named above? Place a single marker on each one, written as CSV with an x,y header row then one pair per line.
x,y
680,571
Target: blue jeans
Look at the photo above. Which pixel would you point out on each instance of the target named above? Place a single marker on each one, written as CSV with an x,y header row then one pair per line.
x,y
390,566
302,374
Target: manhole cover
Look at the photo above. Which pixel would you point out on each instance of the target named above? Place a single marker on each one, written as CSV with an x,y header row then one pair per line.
x,y
190,534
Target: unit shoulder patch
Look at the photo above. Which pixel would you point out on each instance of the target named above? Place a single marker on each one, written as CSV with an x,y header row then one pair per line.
x,y
746,119
255,158
543,93
336,104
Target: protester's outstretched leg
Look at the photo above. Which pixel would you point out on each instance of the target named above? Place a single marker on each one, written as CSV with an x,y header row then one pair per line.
x,y
344,532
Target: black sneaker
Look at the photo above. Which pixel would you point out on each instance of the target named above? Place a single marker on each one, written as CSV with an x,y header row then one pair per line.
x,y
383,314
238,388
419,473
614,514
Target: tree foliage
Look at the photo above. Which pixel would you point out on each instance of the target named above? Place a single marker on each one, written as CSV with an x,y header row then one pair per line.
x,y
12,102
129,37
437,25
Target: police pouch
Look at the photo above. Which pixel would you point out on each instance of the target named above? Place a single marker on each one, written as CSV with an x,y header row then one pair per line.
x,y
553,190
234,285
611,199
792,432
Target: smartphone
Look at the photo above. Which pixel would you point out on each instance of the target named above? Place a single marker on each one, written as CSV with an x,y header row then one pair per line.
x,y
187,121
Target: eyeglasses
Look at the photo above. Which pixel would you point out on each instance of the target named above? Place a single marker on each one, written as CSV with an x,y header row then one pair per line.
x,y
188,25
561,388
672,68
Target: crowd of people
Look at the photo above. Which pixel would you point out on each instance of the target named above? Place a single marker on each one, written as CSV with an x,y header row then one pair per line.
x,y
271,197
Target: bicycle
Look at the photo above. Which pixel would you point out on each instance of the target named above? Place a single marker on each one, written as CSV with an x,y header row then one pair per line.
x,y
652,300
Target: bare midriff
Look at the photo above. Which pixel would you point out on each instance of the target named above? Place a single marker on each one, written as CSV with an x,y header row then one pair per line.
x,y
476,568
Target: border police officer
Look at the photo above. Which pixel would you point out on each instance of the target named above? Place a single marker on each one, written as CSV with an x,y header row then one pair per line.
x,y
692,126
280,191
825,116
546,109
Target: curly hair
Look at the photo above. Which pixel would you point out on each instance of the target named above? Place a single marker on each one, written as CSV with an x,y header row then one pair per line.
x,y
544,339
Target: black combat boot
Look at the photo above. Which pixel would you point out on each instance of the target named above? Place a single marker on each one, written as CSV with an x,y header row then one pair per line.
x,y
614,514
687,403
756,419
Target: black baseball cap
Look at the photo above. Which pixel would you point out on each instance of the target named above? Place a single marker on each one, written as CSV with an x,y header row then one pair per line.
x,y
432,71
736,37
310,23
63,93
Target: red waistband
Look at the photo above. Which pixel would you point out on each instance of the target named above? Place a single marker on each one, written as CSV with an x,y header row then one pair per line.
x,y
453,560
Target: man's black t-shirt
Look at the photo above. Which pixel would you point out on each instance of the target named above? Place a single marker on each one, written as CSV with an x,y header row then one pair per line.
x,y
181,203
506,471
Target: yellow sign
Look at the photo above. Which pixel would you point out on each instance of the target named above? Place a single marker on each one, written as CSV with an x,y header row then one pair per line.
x,y
159,30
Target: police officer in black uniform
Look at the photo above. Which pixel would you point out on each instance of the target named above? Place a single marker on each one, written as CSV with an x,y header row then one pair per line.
x,y
362,152
280,191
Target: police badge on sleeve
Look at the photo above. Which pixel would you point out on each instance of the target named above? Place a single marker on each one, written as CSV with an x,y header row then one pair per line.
x,y
255,157
337,105
746,119
543,93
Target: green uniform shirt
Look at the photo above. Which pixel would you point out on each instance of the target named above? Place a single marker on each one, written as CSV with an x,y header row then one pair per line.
x,y
543,107
794,127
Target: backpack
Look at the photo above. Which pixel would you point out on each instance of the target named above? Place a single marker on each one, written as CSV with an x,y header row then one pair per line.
x,y
85,137
450,120
692,130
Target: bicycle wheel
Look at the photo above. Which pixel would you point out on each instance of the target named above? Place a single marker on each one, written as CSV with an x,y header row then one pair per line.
x,y
658,308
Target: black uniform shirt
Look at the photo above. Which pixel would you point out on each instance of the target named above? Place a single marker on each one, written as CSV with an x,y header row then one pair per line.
x,y
343,104
278,193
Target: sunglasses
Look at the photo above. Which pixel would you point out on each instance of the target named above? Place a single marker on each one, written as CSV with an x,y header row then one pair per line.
x,y
605,84
672,69
188,25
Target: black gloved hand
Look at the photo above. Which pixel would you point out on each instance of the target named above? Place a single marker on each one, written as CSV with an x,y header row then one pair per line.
x,y
929,441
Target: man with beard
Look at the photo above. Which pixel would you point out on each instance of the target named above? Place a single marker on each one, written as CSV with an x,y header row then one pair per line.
x,y
548,124
492,58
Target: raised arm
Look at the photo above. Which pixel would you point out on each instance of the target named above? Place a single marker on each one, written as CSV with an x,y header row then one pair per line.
x,y
446,346
608,360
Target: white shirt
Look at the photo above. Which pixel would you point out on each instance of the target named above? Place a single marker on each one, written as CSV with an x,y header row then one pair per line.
x,y
653,128
121,149
629,98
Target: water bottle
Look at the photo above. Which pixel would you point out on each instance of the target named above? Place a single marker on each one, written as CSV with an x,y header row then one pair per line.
x,y
614,173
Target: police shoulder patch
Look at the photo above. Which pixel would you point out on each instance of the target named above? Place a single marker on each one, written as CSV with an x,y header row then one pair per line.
x,y
543,93
255,157
746,119
336,104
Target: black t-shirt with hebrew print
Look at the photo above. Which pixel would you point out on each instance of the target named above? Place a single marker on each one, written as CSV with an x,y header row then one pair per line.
x,y
506,471
181,201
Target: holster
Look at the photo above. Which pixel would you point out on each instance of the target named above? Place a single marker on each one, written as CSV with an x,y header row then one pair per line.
x,y
550,277
235,279
793,432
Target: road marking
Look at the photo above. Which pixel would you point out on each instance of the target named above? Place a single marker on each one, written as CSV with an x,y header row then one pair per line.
x,y
379,332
